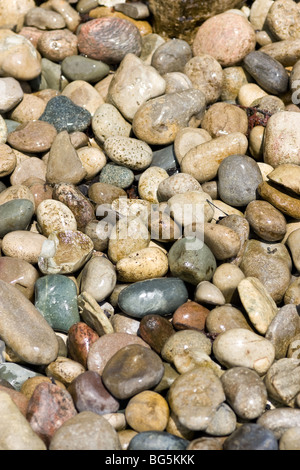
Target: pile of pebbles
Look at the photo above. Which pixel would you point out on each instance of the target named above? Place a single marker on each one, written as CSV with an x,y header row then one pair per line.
x,y
124,324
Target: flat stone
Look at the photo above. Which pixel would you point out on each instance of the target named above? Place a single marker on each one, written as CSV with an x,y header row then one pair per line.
x,y
241,347
195,396
258,438
181,342
35,342
106,346
245,392
160,296
75,434
131,370
157,440
15,215
78,67
223,31
132,153
65,115
16,432
89,394
32,137
283,328
53,290
223,119
286,176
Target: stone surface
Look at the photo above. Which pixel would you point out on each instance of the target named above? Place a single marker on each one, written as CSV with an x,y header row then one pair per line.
x,y
15,215
267,72
277,150
266,221
23,244
65,115
278,420
155,331
98,278
33,136
78,67
11,94
131,370
190,315
282,381
251,436
157,440
134,154
283,20
147,411
223,119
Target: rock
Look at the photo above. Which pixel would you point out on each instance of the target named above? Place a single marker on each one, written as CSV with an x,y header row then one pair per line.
x,y
206,292
205,443
282,381
15,215
89,394
227,278
155,331
160,296
147,411
65,115
286,176
84,95
31,383
80,337
233,79
24,245
258,303
20,274
223,242
77,67
133,153
194,410
190,315
44,19
98,278
279,420
29,168
266,221
282,329
131,370
49,407
18,57
283,20
231,180
57,44
143,264
223,119
16,432
282,201
149,182
276,151
54,216
171,56
267,72
64,369
241,347
13,13
191,260
289,439
93,160
75,434
107,346
206,75
223,29
188,138
109,39
35,341
11,94
181,342
157,440
245,392
108,121
53,290
152,126
203,161
176,184
33,136
93,315
258,438
8,160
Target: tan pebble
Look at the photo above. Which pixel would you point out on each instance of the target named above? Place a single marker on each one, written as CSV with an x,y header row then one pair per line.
x,y
266,221
224,318
93,315
132,207
143,264
92,159
233,79
178,183
44,19
117,420
128,151
125,437
99,232
256,142
83,94
176,81
206,75
223,241
58,44
8,160
241,347
30,109
191,208
277,150
208,293
258,303
265,170
108,121
292,294
105,193
65,252
283,20
18,191
293,244
32,34
287,176
54,216
177,429
79,139
290,439
124,324
103,86
64,369
23,244
203,161
127,236
249,93
227,278
34,167
223,119
188,138
147,411
149,182
288,205
30,384
69,14
290,227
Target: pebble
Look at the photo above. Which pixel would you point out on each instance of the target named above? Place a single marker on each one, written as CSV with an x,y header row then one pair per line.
x,y
109,122
279,420
65,115
11,94
53,215
281,381
29,168
147,411
84,95
86,431
131,370
24,245
227,278
258,438
64,369
155,331
188,138
267,72
76,67
181,342
232,37
15,215
132,153
98,278
190,315
289,439
117,175
223,119
32,137
286,176
44,19
266,221
233,79
283,20
157,440
93,160
206,75
171,56
20,274
144,264
206,292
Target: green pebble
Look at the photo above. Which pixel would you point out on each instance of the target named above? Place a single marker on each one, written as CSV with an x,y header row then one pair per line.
x,y
116,175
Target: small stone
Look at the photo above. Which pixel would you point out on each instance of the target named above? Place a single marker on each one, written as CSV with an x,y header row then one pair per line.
x,y
11,94
283,20
93,315
157,440
106,346
54,216
258,438
155,331
184,341
206,75
190,315
189,138
89,394
64,369
147,411
231,38
49,407
206,292
86,431
8,160
205,443
241,347
78,67
19,273
223,119
176,184
144,264
245,392
117,175
53,290
108,121
267,72
129,152
171,56
176,82
149,182
57,44
15,215
32,167
84,95
266,221
33,136
98,278
286,176
222,241
109,39
23,244
290,439
278,420
19,399
31,383
44,19
282,381
278,151
131,370
160,296
233,79
65,115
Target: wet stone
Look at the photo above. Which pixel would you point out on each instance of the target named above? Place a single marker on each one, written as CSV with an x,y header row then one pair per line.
x,y
64,115
155,330
15,215
82,68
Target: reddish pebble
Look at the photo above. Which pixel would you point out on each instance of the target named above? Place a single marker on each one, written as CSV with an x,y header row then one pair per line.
x,y
48,408
155,331
109,39
190,316
80,339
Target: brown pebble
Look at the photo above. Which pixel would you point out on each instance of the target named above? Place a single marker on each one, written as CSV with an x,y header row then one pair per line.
x,y
58,44
155,330
191,316
80,338
32,137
